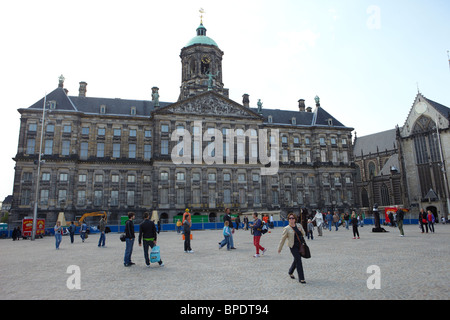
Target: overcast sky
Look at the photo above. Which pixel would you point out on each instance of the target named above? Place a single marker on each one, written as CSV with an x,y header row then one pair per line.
x,y
364,59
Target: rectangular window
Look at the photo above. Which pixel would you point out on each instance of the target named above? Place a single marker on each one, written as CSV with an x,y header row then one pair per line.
x,y
67,128
65,150
227,196
83,150
180,196
44,197
115,178
101,131
99,178
82,178
100,149
63,177
98,198
85,130
117,132
114,198
132,151
132,132
147,152
164,128
32,127
130,198
256,196
164,196
48,150
116,150
131,178
165,147
45,176
196,196
31,144
50,128
81,199
148,133
62,197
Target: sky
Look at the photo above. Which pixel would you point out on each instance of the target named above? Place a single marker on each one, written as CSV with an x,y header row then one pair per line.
x,y
366,60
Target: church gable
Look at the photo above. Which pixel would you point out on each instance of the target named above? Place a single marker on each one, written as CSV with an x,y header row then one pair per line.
x,y
209,104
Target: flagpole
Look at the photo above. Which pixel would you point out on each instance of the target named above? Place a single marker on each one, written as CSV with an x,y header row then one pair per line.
x,y
36,195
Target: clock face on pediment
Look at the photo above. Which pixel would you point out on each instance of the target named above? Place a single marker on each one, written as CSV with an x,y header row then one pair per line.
x,y
210,104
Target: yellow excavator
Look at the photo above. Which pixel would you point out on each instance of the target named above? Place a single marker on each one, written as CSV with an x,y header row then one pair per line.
x,y
91,214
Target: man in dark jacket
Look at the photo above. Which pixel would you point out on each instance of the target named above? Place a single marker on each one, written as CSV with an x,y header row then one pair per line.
x,y
148,236
129,238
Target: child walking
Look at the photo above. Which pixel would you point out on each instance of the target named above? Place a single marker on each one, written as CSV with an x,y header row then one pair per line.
x,y
310,228
226,234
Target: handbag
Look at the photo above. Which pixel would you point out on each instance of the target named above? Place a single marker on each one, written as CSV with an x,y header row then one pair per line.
x,y
123,237
304,249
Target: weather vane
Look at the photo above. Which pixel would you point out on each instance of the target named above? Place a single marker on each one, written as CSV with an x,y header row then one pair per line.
x,y
202,11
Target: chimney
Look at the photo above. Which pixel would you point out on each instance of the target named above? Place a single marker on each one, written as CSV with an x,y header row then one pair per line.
x,y
82,90
309,109
246,100
301,105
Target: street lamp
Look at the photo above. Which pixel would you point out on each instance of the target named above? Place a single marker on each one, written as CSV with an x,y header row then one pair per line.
x,y
36,196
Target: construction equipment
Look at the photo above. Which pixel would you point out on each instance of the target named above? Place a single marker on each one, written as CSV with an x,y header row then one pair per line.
x,y
91,214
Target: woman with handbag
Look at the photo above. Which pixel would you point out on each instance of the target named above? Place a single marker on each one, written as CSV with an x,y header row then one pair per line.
x,y
294,233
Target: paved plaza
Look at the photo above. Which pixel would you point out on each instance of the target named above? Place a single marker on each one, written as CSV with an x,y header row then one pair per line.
x,y
412,267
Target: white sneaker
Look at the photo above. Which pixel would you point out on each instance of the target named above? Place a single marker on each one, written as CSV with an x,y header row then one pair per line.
x,y
192,251
162,264
264,251
256,256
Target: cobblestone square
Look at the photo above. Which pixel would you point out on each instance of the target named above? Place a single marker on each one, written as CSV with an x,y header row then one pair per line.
x,y
412,267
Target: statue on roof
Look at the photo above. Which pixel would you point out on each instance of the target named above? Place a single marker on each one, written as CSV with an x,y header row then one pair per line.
x,y
155,96
260,104
211,78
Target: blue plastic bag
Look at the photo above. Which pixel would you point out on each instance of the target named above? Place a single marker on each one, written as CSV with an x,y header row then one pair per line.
x,y
154,255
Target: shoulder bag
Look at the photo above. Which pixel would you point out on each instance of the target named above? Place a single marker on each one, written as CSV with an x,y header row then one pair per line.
x,y
304,249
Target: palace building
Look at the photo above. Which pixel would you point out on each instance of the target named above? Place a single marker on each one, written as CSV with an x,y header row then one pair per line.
x,y
123,155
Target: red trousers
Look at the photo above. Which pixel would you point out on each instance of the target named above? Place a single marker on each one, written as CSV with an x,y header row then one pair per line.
x,y
256,240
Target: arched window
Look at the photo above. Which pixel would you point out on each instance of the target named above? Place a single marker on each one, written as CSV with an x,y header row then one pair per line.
x,y
372,171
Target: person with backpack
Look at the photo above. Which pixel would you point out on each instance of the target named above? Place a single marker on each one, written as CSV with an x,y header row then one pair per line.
x,y
257,227
148,236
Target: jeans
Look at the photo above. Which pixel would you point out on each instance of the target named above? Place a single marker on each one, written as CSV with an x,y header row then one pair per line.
x,y
297,263
329,225
58,238
71,236
146,245
102,239
83,235
226,242
336,224
128,251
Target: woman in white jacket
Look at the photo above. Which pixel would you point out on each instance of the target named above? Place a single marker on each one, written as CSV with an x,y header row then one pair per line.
x,y
293,232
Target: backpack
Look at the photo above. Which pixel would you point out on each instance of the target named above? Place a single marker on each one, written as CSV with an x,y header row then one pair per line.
x,y
264,228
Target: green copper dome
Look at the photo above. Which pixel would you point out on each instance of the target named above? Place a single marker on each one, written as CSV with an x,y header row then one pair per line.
x,y
201,38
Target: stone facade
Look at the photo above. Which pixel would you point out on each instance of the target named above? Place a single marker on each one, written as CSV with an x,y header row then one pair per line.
x,y
118,155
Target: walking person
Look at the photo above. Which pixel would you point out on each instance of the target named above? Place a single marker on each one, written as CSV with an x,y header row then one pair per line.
x,y
227,217
310,227
430,219
129,239
293,232
400,217
423,220
318,218
102,228
187,236
336,220
148,236
226,233
83,231
257,227
58,234
347,220
179,226
329,220
354,222
72,230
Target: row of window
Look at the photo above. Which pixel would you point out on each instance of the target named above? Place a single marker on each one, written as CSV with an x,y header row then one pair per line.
x,y
288,197
196,176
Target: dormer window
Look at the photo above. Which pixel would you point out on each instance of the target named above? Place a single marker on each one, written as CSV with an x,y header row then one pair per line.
x,y
269,119
330,122
133,111
52,105
102,109
294,120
